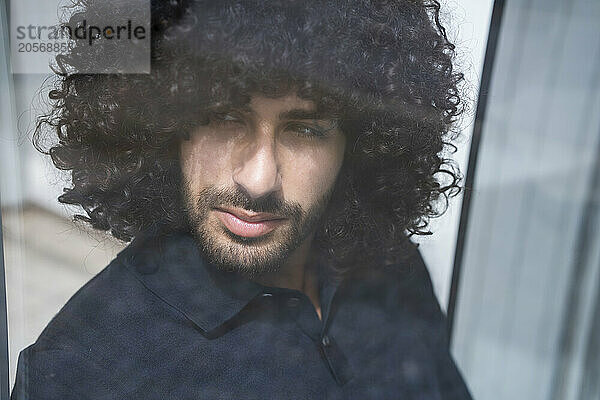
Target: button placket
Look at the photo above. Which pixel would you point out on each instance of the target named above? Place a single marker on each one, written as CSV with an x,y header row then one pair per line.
x,y
336,361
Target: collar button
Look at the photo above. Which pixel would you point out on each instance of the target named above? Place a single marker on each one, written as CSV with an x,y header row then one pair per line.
x,y
293,302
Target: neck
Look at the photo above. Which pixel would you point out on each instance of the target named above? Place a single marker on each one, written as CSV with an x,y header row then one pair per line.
x,y
296,274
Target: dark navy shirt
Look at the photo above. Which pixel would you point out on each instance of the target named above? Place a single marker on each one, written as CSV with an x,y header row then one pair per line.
x,y
160,323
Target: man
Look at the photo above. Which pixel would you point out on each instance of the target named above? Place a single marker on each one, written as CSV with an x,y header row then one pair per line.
x,y
269,170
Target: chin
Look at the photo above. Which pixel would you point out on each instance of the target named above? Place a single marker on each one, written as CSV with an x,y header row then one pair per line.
x,y
248,256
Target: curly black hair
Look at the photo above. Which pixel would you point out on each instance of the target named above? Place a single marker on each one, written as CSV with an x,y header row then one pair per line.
x,y
385,68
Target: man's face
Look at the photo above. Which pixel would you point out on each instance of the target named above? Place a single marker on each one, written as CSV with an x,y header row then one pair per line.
x,y
258,179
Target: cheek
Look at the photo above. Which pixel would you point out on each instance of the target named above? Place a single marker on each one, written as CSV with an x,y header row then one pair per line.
x,y
308,174
204,159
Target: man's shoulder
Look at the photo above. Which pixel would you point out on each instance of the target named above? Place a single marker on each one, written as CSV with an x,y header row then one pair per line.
x,y
100,303
401,289
101,333
407,276
103,305
71,346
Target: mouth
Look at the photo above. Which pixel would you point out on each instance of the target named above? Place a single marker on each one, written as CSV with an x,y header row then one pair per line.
x,y
248,224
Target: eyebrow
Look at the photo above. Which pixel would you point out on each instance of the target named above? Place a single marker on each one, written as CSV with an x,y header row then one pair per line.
x,y
305,114
296,113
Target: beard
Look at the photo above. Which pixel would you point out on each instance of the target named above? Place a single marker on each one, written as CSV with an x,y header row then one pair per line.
x,y
250,256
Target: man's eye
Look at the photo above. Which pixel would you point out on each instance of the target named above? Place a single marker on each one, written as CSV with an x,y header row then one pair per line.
x,y
225,118
305,130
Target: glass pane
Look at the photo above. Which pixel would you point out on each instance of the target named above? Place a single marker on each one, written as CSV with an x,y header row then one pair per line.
x,y
527,313
378,73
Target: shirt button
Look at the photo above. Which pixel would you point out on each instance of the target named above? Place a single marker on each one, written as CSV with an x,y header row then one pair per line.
x,y
293,302
325,341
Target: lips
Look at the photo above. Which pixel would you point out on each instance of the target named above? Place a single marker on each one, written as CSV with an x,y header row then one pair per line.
x,y
246,224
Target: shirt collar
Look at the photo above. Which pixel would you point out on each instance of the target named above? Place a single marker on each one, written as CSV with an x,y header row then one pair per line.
x,y
170,265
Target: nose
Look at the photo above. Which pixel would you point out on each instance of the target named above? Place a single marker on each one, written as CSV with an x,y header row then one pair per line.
x,y
258,171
